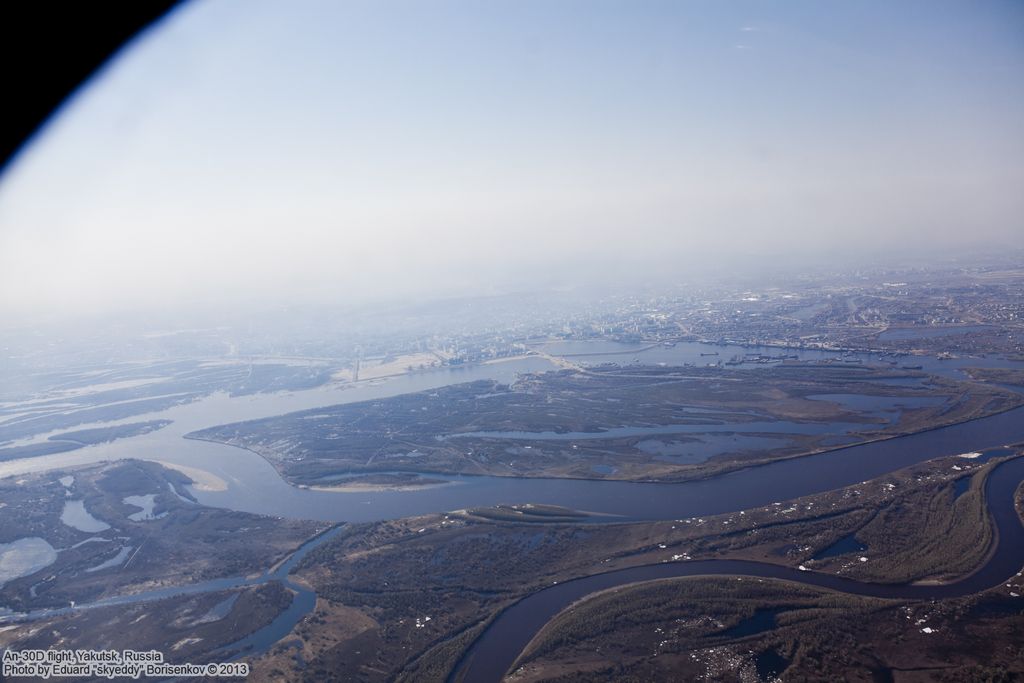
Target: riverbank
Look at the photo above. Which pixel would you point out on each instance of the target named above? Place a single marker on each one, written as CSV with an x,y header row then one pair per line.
x,y
501,643
651,424
202,480
478,567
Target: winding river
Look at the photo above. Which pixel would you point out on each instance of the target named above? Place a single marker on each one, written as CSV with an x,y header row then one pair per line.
x,y
505,638
250,484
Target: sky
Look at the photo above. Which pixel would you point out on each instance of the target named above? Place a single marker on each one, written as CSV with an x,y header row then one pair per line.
x,y
267,152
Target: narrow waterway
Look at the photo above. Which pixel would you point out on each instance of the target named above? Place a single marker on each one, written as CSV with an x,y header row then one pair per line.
x,y
278,573
250,484
498,647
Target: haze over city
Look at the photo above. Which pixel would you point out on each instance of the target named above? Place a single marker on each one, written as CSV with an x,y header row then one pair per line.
x,y
326,152
513,341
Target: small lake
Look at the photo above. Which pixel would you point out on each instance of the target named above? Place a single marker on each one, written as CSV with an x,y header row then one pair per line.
x,y
218,611
115,561
77,517
882,408
708,446
770,664
23,557
846,544
960,486
146,502
761,621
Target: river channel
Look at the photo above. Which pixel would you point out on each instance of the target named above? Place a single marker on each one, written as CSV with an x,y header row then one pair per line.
x,y
497,648
252,485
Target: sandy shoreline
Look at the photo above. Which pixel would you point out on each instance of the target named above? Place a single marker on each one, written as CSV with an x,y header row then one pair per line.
x,y
201,479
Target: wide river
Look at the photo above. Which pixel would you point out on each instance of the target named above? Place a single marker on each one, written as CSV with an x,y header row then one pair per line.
x,y
505,638
252,485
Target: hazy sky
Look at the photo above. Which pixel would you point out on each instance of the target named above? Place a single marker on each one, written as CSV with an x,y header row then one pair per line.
x,y
339,151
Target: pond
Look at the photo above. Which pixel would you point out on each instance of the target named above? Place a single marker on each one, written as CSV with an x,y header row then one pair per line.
x,y
24,556
145,502
77,517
